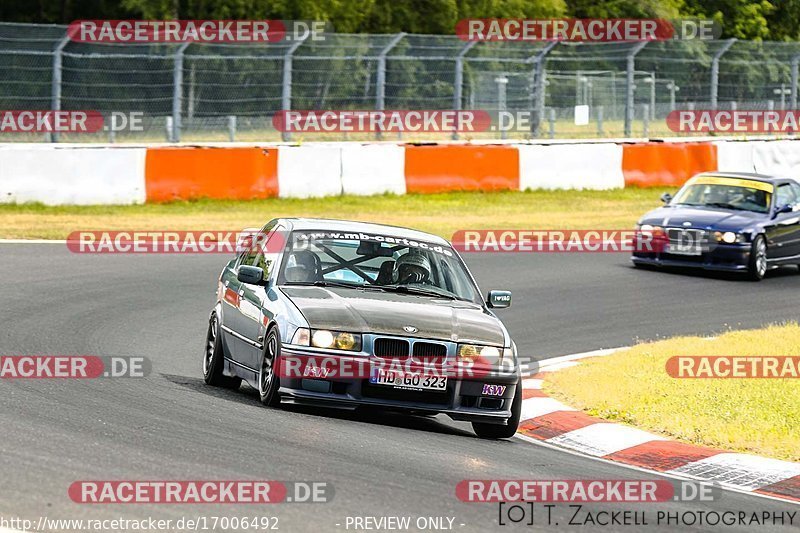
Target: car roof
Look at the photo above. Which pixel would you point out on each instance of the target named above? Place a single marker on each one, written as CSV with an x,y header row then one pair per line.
x,y
327,224
747,175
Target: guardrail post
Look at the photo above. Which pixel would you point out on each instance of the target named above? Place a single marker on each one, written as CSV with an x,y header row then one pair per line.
x,y
630,87
286,92
177,93
715,71
55,89
380,89
458,82
539,73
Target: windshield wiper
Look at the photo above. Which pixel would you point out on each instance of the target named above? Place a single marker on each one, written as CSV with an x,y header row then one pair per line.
x,y
415,290
324,283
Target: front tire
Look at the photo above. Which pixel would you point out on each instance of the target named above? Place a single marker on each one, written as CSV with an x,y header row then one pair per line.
x,y
268,381
213,356
757,265
497,431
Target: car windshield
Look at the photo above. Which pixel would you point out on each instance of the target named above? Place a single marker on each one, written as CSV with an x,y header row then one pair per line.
x,y
376,262
725,196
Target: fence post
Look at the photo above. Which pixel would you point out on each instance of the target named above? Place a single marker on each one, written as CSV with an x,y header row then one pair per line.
x,y
177,94
380,89
715,71
646,120
286,92
458,82
539,72
629,87
55,90
231,128
599,121
552,120
795,65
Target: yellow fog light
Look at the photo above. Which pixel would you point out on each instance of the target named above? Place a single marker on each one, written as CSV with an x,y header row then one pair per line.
x,y
468,351
345,341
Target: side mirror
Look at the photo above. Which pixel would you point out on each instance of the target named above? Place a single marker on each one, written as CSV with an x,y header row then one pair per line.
x,y
666,197
251,275
788,208
499,299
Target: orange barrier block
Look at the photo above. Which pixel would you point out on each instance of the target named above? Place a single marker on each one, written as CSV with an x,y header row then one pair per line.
x,y
660,164
222,173
441,168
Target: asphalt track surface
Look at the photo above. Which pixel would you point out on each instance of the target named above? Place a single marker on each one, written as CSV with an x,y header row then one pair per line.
x,y
171,426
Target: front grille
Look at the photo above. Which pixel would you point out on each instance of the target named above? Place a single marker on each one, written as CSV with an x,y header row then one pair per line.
x,y
678,234
429,349
385,347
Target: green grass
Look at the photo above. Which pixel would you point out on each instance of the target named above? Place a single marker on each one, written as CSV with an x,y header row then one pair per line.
x,y
441,214
749,415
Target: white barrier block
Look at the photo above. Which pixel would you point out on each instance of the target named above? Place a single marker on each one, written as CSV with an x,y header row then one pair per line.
x,y
373,169
780,158
574,166
68,175
309,171
735,156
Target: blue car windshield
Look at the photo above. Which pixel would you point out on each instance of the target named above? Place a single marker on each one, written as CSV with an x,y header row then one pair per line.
x,y
724,196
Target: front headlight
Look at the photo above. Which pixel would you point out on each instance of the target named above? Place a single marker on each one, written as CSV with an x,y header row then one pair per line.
x,y
728,237
337,340
302,337
472,352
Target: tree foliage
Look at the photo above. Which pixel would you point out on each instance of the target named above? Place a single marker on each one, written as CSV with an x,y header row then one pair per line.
x,y
743,19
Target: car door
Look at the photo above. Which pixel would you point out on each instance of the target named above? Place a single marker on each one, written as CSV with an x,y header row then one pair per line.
x,y
254,308
232,292
783,232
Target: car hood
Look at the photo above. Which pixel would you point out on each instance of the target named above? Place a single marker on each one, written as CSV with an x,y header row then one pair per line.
x,y
369,311
705,218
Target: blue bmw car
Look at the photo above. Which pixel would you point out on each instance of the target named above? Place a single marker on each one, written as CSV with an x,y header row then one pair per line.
x,y
726,221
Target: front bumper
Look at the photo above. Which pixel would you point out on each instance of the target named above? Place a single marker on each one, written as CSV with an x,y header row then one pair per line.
x,y
723,257
462,400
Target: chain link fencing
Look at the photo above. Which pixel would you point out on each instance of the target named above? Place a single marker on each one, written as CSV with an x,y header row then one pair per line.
x,y
226,92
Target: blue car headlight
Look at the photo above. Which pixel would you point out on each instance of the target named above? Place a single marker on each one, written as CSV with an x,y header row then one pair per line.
x,y
729,237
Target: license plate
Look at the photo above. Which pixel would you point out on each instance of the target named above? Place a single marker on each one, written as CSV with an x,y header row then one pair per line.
x,y
691,248
408,380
